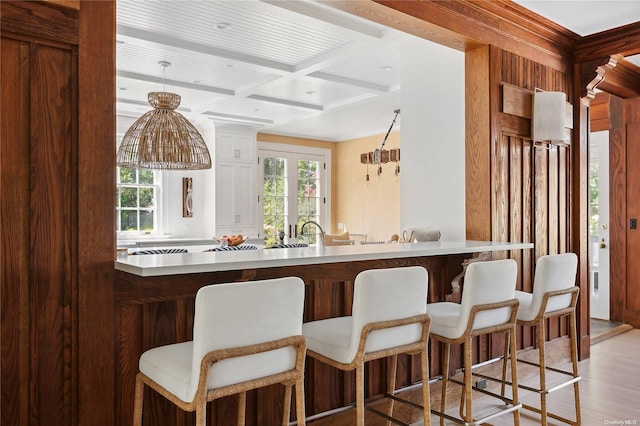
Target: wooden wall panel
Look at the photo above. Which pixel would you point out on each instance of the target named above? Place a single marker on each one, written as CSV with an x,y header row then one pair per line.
x,y
618,215
530,182
96,217
633,212
51,232
39,283
15,186
477,151
632,132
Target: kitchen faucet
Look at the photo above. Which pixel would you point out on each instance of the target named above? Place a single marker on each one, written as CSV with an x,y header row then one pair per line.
x,y
317,225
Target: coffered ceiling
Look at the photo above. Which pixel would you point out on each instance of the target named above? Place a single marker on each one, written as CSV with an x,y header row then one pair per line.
x,y
295,68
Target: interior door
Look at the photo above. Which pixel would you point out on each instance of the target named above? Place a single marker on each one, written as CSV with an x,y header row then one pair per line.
x,y
599,222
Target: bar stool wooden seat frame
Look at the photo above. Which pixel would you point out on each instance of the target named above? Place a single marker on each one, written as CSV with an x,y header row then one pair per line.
x,y
509,329
378,330
288,371
539,323
203,396
417,348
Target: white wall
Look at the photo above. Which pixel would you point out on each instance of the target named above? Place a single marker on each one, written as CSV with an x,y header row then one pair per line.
x,y
201,224
432,185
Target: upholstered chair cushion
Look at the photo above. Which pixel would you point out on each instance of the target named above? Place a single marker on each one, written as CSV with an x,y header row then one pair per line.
x,y
228,316
485,283
553,272
379,295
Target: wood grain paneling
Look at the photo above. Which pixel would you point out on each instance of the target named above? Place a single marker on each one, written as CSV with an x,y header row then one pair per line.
x,y
39,283
15,186
530,183
623,40
477,151
617,215
52,243
58,230
96,212
632,132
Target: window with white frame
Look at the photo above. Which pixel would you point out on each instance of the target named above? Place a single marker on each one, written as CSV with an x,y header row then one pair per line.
x,y
137,201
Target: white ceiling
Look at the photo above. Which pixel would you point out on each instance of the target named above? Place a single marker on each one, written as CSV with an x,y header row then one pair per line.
x,y
295,68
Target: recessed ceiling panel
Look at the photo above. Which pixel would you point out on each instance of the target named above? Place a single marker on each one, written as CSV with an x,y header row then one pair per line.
x,y
249,27
186,66
381,68
312,92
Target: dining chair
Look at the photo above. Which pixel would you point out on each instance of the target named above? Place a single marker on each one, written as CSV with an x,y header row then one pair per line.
x,y
488,306
246,335
388,318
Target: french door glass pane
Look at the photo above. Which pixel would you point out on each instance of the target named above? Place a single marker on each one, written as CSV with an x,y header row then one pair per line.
x,y
291,195
274,198
308,206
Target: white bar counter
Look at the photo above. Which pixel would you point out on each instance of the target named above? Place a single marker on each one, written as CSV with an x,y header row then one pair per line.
x,y
198,262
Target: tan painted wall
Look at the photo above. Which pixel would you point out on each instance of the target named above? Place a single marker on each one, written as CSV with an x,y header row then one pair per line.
x,y
372,208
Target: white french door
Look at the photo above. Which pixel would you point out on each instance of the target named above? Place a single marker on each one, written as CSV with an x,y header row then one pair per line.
x,y
293,190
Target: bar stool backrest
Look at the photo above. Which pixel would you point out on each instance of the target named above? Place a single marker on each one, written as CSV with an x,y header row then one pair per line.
x,y
388,294
554,272
486,283
241,314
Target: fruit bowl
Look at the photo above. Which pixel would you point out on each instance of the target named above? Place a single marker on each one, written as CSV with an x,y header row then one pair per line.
x,y
233,240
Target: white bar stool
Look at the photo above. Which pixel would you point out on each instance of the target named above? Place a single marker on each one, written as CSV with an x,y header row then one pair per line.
x,y
246,335
554,295
488,306
388,318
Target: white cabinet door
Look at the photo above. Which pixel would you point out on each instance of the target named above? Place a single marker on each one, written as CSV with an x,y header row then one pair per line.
x,y
231,146
225,208
235,198
245,193
236,190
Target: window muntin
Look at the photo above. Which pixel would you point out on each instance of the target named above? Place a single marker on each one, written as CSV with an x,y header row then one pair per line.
x,y
137,201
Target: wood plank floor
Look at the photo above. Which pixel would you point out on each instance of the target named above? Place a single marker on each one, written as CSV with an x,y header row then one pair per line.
x,y
609,392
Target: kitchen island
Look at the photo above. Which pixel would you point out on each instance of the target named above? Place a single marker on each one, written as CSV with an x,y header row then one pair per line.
x,y
155,302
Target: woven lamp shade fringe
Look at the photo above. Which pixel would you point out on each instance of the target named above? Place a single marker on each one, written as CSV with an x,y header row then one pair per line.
x,y
163,139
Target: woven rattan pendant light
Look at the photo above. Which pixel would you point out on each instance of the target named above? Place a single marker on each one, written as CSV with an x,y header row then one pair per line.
x,y
163,138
